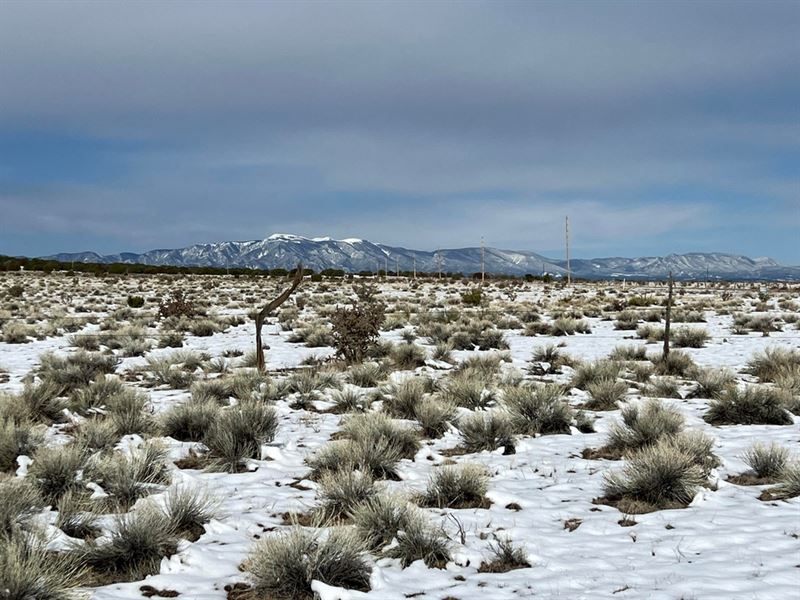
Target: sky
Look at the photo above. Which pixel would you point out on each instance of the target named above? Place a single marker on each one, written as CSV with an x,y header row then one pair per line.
x,y
657,127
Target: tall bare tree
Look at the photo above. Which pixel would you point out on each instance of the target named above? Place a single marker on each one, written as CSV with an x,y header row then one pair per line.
x,y
265,312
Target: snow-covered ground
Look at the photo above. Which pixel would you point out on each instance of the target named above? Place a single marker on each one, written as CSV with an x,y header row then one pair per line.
x,y
726,544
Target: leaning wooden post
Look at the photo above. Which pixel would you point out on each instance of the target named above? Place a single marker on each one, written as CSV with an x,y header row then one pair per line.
x,y
668,316
264,313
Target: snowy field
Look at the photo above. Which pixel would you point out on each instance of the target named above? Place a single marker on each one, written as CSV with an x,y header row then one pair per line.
x,y
542,495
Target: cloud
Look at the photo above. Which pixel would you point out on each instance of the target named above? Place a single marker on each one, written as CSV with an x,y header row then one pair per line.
x,y
169,123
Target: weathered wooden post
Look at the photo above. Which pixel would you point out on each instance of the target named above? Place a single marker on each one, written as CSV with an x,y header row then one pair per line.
x,y
264,313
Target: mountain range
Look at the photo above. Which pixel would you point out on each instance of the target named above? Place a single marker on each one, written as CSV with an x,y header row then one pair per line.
x,y
353,255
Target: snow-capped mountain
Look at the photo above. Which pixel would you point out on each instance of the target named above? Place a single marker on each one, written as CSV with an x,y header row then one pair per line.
x,y
353,255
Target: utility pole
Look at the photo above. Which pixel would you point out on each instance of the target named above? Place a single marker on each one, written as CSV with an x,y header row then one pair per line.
x,y
566,234
439,263
397,266
668,317
385,266
483,262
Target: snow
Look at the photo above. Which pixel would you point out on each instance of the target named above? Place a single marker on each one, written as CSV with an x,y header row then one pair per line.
x,y
726,544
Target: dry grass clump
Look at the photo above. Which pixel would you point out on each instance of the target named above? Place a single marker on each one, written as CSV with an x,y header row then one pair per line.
x,y
20,500
366,375
379,459
377,428
539,409
651,333
712,382
467,390
601,370
379,518
40,402
76,515
770,364
462,486
351,400
767,462
96,395
128,477
130,412
402,399
506,557
189,422
789,486
18,437
663,387
238,433
548,360
626,353
568,326
188,509
605,394
753,405
486,430
96,434
435,416
420,541
676,363
689,337
643,425
284,565
660,476
134,550
75,370
28,571
54,470
408,356
341,492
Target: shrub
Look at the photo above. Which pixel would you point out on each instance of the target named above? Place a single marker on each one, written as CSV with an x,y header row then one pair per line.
x,y
549,359
568,326
772,362
355,329
237,434
420,541
54,470
767,462
506,557
17,333
434,416
461,486
341,492
627,320
283,566
135,301
408,356
643,425
188,509
539,410
189,422
605,394
486,430
651,333
41,402
656,477
473,297
176,306
28,570
136,546
350,400
379,518
755,405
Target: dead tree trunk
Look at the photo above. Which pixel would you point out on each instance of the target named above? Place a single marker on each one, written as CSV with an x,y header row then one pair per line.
x,y
668,317
265,312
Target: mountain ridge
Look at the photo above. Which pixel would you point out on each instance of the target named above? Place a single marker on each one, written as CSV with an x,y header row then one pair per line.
x,y
281,250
